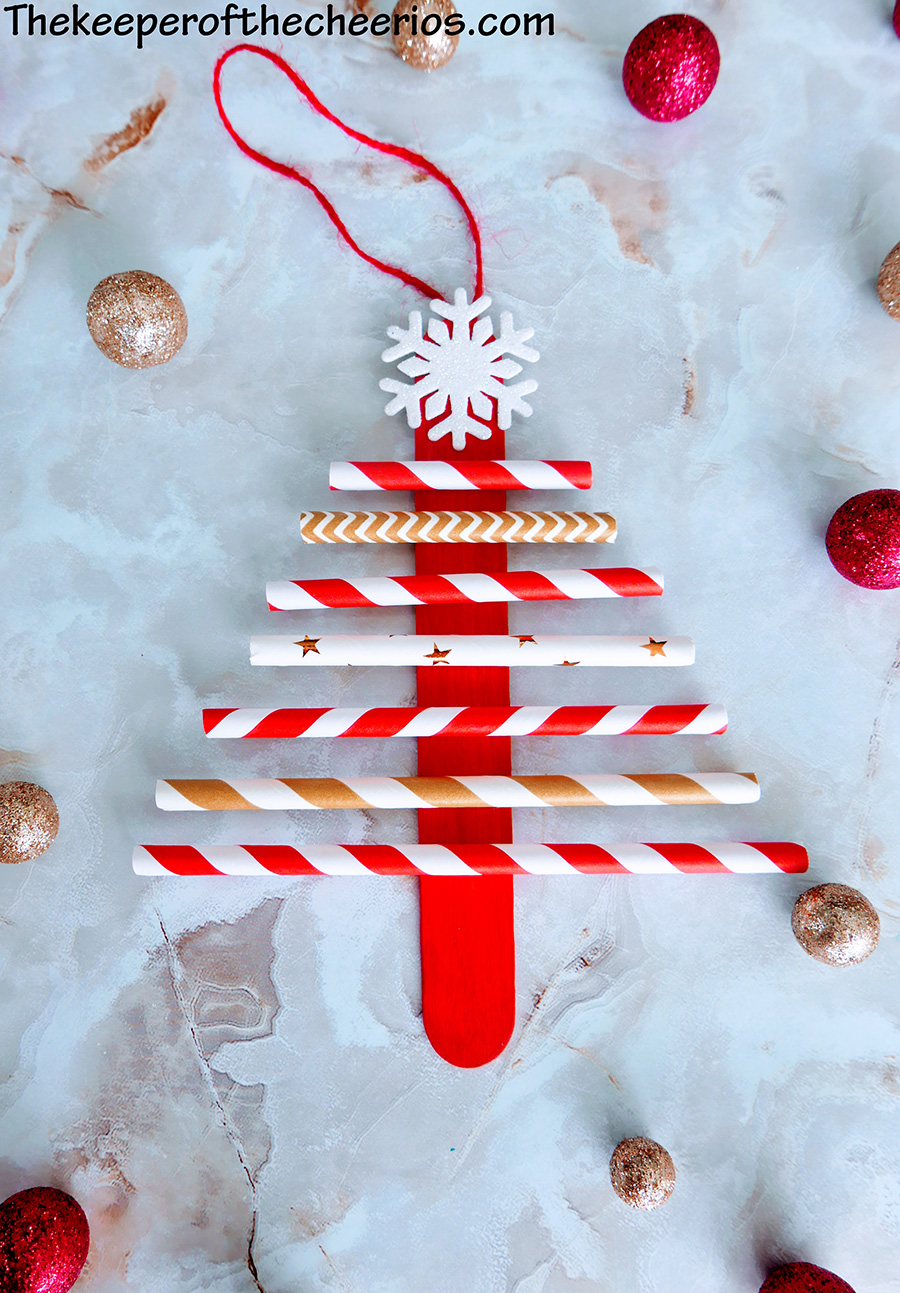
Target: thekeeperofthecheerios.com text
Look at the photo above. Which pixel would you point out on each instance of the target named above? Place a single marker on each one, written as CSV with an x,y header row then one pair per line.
x,y
238,20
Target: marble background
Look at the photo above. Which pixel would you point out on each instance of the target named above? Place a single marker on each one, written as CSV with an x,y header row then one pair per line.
x,y
232,1076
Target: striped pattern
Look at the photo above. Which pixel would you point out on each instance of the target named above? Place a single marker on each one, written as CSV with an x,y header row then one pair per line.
x,y
457,527
715,858
471,650
469,721
441,590
499,474
604,790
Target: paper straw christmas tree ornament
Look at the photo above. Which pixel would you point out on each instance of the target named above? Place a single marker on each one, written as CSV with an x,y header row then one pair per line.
x,y
461,390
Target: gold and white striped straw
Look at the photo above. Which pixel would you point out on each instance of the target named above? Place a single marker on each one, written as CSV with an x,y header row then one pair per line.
x,y
606,790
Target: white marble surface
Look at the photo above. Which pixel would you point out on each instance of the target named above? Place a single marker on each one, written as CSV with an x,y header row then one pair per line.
x,y
210,1066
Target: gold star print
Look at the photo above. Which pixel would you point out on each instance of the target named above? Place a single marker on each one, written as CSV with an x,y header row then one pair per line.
x,y
570,663
654,647
438,657
309,644
525,637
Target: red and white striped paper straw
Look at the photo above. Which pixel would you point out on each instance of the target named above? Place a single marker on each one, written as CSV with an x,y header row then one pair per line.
x,y
714,858
476,650
498,474
587,790
469,720
440,590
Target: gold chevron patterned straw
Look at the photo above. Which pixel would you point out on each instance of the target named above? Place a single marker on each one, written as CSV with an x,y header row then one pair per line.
x,y
457,527
634,790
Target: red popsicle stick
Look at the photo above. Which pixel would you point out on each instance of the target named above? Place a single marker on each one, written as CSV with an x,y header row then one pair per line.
x,y
466,926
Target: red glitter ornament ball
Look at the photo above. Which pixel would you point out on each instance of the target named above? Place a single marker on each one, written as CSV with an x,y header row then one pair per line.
x,y
44,1240
897,17
801,1277
863,539
671,67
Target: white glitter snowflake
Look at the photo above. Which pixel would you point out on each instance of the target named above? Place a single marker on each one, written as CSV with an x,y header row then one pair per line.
x,y
459,370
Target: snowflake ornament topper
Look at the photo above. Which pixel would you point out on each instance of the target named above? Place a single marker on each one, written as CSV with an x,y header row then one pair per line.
x,y
460,369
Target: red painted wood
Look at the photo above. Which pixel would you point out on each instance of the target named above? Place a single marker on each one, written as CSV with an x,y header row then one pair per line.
x,y
466,926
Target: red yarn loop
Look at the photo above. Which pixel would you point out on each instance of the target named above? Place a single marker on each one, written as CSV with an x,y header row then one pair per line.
x,y
392,150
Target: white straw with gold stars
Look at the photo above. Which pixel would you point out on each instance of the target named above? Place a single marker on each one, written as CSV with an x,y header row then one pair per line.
x,y
478,650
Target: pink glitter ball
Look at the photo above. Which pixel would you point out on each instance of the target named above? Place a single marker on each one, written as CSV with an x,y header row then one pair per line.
x,y
863,539
671,67
802,1277
44,1240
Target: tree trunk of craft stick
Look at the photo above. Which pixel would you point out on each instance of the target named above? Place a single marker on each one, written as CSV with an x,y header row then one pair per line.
x,y
467,940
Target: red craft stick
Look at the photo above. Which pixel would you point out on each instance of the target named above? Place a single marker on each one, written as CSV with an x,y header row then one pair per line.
x,y
466,925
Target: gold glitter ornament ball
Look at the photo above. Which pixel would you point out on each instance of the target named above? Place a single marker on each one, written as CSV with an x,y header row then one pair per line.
x,y
137,319
889,282
836,924
642,1173
28,821
421,37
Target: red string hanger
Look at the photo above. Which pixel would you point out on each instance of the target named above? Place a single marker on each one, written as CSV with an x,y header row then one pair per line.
x,y
392,150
